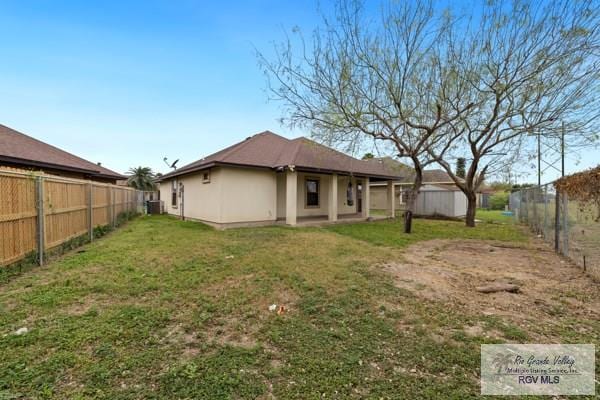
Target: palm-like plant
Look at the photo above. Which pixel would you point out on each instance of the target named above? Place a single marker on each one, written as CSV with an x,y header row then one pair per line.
x,y
141,178
502,361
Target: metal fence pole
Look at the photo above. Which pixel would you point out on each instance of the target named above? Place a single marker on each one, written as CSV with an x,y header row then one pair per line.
x,y
557,221
41,233
545,211
536,225
91,210
565,225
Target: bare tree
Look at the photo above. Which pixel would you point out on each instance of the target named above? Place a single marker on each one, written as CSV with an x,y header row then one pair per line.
x,y
529,66
382,78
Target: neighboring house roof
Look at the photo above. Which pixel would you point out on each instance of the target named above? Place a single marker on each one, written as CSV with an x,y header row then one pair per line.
x,y
439,187
438,176
269,150
18,148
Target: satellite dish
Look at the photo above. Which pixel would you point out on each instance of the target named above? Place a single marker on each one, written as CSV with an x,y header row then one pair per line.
x,y
173,165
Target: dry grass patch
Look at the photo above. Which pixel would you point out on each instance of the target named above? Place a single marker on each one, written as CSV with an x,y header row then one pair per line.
x,y
449,271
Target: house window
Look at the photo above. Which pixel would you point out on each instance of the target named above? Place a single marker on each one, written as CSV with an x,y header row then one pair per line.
x,y
206,177
404,196
174,193
312,192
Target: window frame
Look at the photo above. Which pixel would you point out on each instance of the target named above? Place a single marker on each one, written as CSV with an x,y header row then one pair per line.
x,y
403,194
174,193
308,179
206,176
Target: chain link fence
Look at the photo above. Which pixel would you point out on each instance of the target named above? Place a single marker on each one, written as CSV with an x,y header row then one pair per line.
x,y
571,227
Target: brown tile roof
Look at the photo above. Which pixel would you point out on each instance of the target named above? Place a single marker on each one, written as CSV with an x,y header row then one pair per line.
x,y
407,172
270,150
18,148
437,176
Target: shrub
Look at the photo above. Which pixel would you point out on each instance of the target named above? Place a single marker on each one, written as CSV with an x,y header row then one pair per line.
x,y
499,200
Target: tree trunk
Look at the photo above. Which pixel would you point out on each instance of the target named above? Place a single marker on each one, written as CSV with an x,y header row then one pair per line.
x,y
471,209
412,196
408,221
408,213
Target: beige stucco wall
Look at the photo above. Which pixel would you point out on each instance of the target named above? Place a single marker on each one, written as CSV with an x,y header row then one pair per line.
x,y
281,178
232,195
248,195
323,209
379,198
202,200
240,195
343,207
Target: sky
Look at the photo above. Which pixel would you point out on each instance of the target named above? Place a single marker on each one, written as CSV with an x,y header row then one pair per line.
x,y
127,83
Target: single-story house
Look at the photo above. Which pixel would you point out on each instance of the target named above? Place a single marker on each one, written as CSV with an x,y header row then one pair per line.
x,y
20,151
268,179
438,194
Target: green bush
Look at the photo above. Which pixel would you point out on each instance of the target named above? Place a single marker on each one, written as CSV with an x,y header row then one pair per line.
x,y
499,200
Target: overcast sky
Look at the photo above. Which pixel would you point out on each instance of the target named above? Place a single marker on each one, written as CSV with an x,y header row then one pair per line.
x,y
130,82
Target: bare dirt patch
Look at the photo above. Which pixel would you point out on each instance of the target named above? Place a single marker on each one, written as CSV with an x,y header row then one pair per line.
x,y
449,271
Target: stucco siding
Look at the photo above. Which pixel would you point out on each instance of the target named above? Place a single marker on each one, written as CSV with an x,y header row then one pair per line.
x,y
281,177
323,209
379,198
248,195
202,200
343,207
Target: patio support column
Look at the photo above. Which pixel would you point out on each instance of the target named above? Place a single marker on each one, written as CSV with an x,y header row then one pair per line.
x,y
366,198
390,199
291,197
332,204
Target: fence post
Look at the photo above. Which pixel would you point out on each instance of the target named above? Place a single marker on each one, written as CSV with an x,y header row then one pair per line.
x,y
521,205
41,233
112,197
545,211
536,225
107,207
556,220
565,225
91,210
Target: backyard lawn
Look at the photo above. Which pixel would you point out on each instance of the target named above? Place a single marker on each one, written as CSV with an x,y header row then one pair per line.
x,y
493,216
169,309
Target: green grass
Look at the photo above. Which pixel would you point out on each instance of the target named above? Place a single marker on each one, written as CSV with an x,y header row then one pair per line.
x,y
170,309
390,232
493,216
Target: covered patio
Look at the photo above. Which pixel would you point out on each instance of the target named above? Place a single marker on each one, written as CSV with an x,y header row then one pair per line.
x,y
307,197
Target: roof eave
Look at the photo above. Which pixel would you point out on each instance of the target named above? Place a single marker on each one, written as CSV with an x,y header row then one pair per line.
x,y
110,176
352,173
181,172
42,164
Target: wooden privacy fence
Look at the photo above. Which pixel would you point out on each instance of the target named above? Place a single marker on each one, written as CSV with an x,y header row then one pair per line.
x,y
39,212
